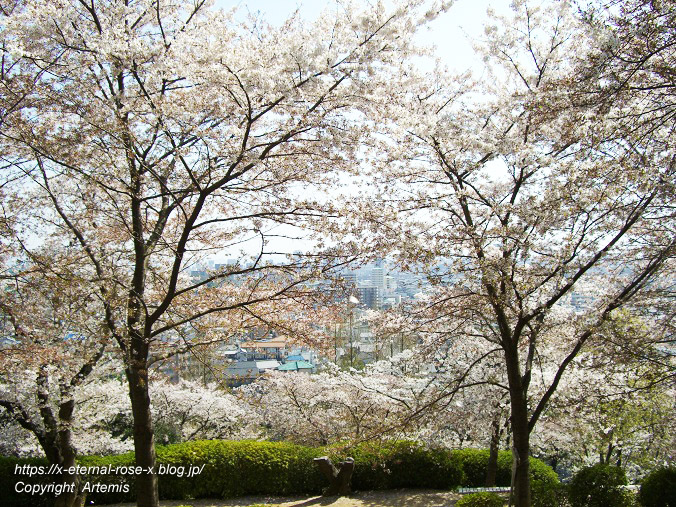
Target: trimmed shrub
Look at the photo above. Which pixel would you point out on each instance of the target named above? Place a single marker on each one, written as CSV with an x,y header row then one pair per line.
x,y
480,500
474,465
658,488
218,469
541,472
237,468
547,494
221,469
475,462
599,486
400,464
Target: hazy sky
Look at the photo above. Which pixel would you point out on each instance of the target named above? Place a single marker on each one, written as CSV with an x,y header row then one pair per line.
x,y
451,32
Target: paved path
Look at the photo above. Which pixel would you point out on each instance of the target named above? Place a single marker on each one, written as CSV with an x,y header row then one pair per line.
x,y
387,498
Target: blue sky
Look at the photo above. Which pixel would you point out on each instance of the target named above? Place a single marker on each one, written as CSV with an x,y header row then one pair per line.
x,y
451,32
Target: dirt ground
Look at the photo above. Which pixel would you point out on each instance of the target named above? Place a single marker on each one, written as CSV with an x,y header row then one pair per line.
x,y
388,498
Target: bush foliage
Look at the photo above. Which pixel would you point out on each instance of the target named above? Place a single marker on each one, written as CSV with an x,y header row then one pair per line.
x,y
599,486
548,494
480,500
658,489
400,464
227,469
237,468
475,462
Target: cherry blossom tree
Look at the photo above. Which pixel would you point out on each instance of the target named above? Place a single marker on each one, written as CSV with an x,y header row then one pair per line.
x,y
338,405
439,399
54,342
182,412
518,201
148,134
628,70
588,424
616,402
102,419
465,402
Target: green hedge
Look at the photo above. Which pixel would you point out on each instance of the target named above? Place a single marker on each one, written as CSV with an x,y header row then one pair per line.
x,y
400,464
480,500
658,488
547,494
236,468
110,481
228,469
475,462
599,486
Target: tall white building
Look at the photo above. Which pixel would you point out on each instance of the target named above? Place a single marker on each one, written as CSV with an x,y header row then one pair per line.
x,y
378,278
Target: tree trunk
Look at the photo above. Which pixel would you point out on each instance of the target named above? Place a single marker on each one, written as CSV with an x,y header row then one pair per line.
x,y
60,452
56,439
492,468
144,445
72,496
521,450
339,477
520,431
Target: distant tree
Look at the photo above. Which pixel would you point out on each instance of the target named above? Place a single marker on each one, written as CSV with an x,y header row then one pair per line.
x,y
102,419
183,411
337,405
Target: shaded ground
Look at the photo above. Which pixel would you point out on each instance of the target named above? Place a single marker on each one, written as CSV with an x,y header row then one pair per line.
x,y
387,498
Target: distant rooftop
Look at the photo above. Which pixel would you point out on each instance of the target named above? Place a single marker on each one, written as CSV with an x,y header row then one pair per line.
x,y
275,343
296,365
